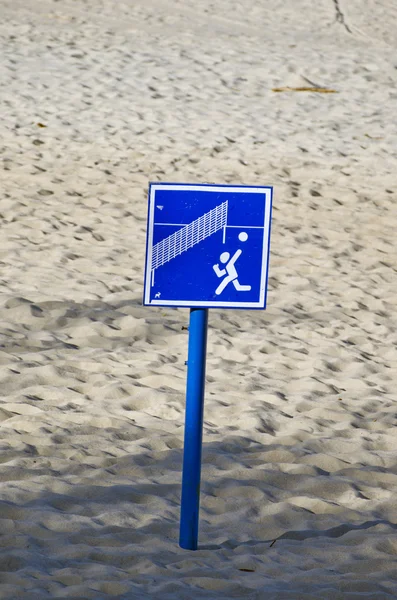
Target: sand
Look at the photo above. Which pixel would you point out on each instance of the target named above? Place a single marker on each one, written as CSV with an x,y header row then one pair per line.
x,y
299,475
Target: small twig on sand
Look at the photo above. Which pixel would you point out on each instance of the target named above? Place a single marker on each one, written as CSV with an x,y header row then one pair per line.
x,y
318,90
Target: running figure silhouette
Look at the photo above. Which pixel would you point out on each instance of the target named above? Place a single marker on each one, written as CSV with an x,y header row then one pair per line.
x,y
230,270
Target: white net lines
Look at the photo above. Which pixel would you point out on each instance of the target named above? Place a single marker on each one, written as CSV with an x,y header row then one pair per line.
x,y
190,235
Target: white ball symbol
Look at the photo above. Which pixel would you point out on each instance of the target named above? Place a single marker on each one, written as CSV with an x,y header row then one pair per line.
x,y
243,236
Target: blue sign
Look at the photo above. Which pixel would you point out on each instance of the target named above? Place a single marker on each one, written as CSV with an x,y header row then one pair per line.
x,y
207,245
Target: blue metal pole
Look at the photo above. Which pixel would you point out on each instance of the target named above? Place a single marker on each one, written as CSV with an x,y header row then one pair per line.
x,y
193,428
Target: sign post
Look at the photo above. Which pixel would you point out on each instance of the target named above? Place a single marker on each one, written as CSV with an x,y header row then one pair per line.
x,y
207,247
190,503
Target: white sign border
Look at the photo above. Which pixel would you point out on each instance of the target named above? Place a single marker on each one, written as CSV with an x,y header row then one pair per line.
x,y
267,190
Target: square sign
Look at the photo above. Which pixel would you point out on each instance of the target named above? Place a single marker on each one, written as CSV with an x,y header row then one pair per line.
x,y
207,245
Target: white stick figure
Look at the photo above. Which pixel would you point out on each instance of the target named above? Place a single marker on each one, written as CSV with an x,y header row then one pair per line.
x,y
230,269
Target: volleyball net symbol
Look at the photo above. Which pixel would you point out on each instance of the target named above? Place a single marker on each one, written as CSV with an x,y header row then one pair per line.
x,y
193,233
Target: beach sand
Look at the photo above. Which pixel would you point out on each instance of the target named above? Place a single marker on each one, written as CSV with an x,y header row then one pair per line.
x,y
299,476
